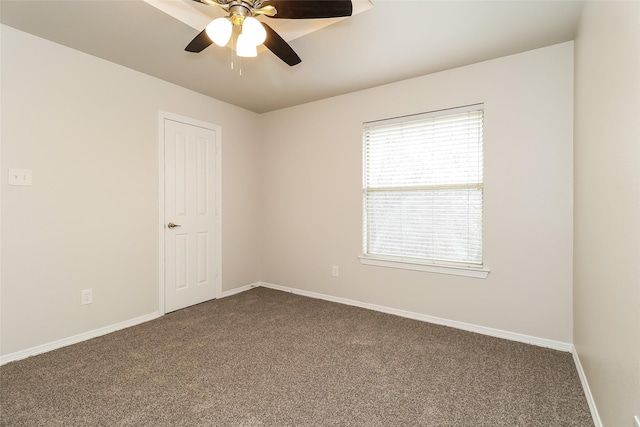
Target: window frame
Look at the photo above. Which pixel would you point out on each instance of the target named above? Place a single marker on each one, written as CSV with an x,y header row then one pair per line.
x,y
467,269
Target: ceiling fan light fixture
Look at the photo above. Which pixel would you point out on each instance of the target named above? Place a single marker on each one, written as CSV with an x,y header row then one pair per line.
x,y
252,28
245,47
246,33
219,31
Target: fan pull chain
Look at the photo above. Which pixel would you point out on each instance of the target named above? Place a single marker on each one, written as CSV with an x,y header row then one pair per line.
x,y
233,50
234,56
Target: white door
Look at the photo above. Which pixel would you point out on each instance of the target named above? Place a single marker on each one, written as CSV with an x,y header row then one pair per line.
x,y
190,215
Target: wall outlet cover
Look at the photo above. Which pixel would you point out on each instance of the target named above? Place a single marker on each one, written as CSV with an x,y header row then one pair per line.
x,y
334,271
86,296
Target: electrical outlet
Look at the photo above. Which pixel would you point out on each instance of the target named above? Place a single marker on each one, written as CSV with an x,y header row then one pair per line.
x,y
86,296
637,418
334,271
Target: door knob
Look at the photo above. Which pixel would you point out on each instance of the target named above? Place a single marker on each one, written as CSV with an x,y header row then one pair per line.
x,y
172,225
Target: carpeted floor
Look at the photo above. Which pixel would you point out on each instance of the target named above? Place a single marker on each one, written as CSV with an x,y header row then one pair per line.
x,y
269,358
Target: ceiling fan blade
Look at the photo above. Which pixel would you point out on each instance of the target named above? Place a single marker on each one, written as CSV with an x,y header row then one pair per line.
x,y
199,43
279,47
310,9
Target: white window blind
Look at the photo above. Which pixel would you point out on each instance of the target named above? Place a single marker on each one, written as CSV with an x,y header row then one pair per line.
x,y
422,194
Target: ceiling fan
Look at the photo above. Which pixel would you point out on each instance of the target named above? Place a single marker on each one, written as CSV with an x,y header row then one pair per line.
x,y
246,32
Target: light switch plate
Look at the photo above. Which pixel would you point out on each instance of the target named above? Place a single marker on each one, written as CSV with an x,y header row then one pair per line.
x,y
20,176
637,418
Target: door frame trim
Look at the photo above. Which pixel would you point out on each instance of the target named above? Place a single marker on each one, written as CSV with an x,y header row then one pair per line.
x,y
162,116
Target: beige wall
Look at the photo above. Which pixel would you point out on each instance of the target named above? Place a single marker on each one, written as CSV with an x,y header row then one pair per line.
x,y
607,207
89,131
311,199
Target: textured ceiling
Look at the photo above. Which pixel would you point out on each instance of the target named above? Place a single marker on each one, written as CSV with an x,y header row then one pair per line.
x,y
392,41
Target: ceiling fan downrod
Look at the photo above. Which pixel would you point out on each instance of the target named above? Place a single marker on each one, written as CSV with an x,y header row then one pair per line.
x,y
242,7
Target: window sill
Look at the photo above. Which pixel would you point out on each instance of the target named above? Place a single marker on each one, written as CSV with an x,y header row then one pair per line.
x,y
476,272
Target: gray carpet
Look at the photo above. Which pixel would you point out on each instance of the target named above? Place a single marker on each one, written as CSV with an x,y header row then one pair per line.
x,y
269,358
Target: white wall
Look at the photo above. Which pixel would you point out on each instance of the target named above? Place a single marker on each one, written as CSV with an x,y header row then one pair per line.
x,y
311,196
607,207
89,131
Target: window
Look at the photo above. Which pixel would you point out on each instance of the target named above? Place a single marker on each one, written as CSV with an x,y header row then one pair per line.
x,y
422,192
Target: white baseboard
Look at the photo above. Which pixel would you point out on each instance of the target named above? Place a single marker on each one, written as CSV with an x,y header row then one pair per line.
x,y
542,342
23,354
498,333
585,386
239,290
77,338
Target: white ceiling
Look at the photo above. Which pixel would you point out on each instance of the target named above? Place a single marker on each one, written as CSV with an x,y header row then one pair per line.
x,y
394,40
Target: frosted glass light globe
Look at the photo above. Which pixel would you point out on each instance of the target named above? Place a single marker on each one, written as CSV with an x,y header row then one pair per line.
x,y
219,31
245,46
254,30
